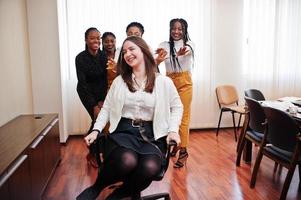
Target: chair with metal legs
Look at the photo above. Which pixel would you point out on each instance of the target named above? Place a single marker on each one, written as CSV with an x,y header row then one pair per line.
x,y
227,99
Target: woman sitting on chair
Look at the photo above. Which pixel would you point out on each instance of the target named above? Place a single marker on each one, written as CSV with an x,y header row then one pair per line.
x,y
144,111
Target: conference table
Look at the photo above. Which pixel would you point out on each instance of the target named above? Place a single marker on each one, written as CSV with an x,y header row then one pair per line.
x,y
286,104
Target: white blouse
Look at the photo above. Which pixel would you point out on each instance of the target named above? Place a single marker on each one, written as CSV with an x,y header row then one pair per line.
x,y
186,61
139,104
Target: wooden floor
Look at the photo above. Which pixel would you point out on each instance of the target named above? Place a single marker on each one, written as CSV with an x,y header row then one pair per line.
x,y
210,173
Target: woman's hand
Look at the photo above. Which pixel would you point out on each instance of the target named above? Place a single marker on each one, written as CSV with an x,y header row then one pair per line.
x,y
173,136
182,51
161,55
112,65
89,139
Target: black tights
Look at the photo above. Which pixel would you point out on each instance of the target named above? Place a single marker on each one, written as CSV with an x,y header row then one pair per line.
x,y
135,170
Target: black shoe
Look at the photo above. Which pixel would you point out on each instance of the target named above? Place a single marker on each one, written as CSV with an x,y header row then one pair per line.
x,y
90,193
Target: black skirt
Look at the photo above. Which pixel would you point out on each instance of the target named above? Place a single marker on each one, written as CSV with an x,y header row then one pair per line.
x,y
129,136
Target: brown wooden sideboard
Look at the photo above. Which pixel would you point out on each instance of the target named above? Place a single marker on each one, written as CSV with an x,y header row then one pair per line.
x,y
29,154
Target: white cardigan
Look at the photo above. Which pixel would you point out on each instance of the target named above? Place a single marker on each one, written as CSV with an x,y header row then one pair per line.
x,y
167,113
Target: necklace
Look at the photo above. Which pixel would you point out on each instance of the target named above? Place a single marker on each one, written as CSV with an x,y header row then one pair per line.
x,y
139,84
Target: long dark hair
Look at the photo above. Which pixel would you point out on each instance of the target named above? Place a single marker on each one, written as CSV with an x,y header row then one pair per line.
x,y
87,33
173,57
150,66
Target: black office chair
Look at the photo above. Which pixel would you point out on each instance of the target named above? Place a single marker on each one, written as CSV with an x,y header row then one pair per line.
x,y
100,146
255,128
255,94
282,133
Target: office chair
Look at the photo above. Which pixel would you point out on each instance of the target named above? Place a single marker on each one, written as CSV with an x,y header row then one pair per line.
x,y
255,129
255,94
282,133
100,146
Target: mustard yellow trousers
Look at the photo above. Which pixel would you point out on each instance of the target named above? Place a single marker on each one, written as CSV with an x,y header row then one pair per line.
x,y
183,83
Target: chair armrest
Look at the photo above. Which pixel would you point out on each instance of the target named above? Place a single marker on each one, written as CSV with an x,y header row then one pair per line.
x,y
172,143
99,135
98,148
265,122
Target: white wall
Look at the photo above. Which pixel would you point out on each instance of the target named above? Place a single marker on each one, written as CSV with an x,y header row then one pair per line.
x,y
45,60
15,77
227,53
227,49
30,67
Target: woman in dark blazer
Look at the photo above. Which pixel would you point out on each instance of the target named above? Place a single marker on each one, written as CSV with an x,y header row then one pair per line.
x,y
92,76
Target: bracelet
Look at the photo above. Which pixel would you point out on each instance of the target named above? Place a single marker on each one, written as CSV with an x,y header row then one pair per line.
x,y
98,132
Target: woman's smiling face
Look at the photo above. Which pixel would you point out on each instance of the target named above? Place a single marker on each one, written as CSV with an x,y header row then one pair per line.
x,y
109,43
177,31
93,40
132,54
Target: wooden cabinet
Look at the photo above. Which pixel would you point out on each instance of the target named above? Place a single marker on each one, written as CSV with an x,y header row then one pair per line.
x,y
19,182
16,180
4,192
44,156
30,157
51,149
37,170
